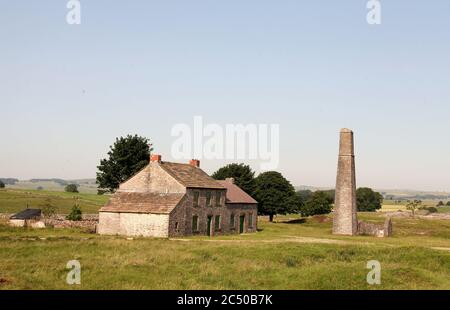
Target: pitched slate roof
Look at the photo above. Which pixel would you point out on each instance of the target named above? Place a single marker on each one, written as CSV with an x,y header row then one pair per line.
x,y
235,194
190,176
142,203
26,214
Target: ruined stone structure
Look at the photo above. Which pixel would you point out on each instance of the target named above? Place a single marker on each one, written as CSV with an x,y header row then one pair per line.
x,y
373,229
345,221
171,199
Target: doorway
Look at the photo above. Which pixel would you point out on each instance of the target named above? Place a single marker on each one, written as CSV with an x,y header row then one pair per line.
x,y
208,225
241,224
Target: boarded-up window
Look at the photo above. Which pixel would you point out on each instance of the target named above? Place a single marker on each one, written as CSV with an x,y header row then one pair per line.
x,y
250,220
217,223
194,223
196,197
208,199
218,197
232,221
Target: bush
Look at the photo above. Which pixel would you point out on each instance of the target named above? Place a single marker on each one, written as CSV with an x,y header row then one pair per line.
x,y
318,203
71,188
75,214
48,209
440,204
39,188
2,185
432,209
448,203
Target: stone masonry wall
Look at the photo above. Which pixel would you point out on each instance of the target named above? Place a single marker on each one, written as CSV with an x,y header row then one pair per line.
x,y
152,179
134,224
181,219
345,219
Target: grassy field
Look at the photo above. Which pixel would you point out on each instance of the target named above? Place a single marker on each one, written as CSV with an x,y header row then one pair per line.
x,y
392,205
290,254
87,186
12,200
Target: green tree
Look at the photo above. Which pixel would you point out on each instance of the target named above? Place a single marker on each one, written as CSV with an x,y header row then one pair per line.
x,y
71,188
2,185
275,195
318,203
75,214
368,200
243,175
331,193
413,206
126,157
304,195
448,203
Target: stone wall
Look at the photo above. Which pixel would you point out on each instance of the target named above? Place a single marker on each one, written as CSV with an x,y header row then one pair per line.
x,y
373,229
181,218
89,222
152,179
133,224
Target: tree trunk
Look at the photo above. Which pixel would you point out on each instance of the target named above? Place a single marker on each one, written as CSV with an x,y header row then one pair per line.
x,y
271,217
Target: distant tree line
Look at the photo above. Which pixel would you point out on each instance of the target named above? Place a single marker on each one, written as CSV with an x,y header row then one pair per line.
x,y
9,181
57,181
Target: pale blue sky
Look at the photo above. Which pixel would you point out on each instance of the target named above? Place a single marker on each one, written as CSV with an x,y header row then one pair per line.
x,y
313,67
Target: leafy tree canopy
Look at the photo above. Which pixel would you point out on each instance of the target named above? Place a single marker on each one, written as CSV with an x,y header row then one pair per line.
x,y
275,195
243,175
368,200
126,157
2,185
319,203
304,195
71,188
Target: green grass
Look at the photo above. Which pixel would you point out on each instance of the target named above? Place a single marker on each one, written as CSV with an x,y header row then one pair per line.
x,y
289,254
12,200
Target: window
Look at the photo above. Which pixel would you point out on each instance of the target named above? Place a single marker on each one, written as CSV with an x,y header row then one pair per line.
x,y
194,223
232,221
218,196
250,220
196,196
217,223
208,199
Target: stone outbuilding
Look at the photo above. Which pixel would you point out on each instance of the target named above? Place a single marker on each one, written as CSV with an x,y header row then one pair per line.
x,y
168,199
27,218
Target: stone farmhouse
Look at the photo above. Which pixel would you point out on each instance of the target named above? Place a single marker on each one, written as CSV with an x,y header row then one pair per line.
x,y
169,199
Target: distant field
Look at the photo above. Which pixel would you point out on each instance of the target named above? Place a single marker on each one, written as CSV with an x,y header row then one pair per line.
x,y
390,205
13,200
84,186
289,254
